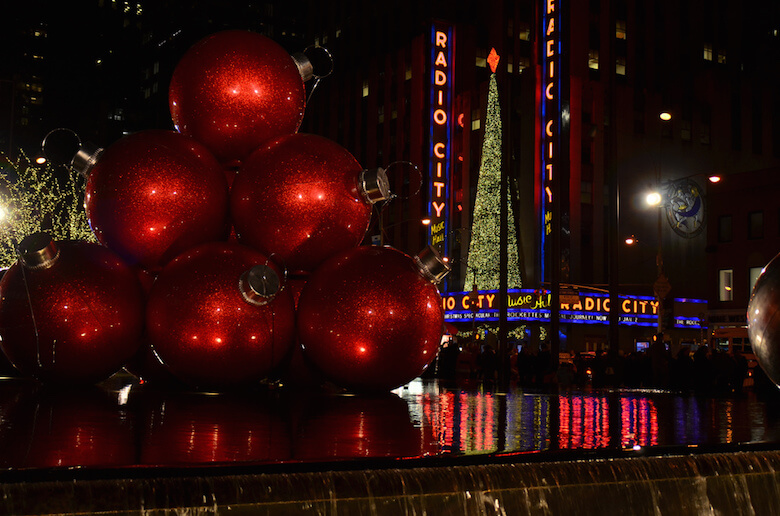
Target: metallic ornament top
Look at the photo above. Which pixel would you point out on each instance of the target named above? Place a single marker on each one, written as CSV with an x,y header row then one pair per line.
x,y
38,251
234,90
153,195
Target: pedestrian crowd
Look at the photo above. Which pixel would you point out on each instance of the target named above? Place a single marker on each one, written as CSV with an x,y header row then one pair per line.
x,y
704,371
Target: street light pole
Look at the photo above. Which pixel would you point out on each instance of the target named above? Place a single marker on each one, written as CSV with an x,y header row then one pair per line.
x,y
659,262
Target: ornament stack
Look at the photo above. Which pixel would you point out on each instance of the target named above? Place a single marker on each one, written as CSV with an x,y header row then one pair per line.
x,y
230,248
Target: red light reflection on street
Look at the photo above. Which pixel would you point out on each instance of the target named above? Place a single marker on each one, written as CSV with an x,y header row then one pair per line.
x,y
639,422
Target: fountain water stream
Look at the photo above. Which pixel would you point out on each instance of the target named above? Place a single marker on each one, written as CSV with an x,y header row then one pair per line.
x,y
720,483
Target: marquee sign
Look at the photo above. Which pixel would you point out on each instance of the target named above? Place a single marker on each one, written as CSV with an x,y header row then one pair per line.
x,y
550,106
440,122
591,308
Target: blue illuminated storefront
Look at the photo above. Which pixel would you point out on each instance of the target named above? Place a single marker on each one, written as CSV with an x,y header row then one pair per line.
x,y
638,314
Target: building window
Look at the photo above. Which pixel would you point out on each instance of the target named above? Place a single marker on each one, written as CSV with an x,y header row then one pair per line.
x,y
593,59
481,60
707,52
721,58
620,29
365,88
620,66
475,118
725,285
522,64
586,192
724,228
755,225
685,130
706,120
524,31
755,272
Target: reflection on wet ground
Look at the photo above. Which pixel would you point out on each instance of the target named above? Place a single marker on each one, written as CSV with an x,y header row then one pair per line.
x,y
124,424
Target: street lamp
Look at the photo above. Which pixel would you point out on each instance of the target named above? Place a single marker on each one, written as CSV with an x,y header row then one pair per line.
x,y
682,201
661,286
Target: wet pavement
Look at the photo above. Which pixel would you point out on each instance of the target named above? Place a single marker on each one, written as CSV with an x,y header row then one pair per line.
x,y
122,424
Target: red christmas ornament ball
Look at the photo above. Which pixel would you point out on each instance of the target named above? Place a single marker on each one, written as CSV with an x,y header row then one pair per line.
x,y
298,199
369,319
209,321
153,195
235,89
70,312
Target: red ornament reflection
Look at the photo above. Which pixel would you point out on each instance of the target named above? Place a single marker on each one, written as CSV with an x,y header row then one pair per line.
x,y
203,327
235,89
75,428
78,319
350,427
369,320
195,428
153,195
297,198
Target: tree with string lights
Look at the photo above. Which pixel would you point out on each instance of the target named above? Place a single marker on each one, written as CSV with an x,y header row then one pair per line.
x,y
485,245
32,199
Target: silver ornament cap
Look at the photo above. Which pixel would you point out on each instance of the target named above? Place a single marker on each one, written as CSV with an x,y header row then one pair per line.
x,y
86,158
260,284
431,264
313,62
374,185
38,251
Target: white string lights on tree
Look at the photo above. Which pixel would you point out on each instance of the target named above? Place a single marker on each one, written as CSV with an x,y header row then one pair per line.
x,y
485,245
32,199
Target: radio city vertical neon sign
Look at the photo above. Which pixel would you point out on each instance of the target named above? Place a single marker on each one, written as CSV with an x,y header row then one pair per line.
x,y
550,116
440,133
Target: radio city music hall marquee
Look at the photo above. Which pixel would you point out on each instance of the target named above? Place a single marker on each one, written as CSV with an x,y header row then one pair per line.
x,y
591,308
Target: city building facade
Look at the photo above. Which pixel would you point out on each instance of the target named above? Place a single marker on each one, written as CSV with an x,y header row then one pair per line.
x,y
581,87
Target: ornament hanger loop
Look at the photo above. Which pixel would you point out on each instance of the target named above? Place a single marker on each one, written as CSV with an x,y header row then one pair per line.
x,y
401,167
60,145
64,147
321,60
273,262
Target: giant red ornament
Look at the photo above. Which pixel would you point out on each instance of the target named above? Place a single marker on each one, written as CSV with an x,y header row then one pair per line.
x,y
69,311
302,198
153,195
763,316
235,89
218,317
370,318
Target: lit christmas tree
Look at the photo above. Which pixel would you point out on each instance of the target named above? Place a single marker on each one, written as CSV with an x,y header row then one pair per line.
x,y
485,245
33,199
